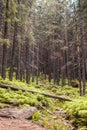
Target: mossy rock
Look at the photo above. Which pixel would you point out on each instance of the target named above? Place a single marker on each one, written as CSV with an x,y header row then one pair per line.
x,y
74,84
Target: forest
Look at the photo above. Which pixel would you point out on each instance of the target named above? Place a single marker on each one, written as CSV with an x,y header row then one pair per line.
x,y
43,62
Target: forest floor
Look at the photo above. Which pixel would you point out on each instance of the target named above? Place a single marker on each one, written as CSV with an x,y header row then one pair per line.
x,y
50,113
14,118
11,123
17,124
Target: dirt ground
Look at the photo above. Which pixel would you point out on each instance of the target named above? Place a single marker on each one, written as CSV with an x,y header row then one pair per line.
x,y
16,124
13,118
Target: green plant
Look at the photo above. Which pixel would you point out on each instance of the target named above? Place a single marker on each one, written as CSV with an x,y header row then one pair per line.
x,y
40,98
36,116
83,128
51,124
45,102
77,111
32,102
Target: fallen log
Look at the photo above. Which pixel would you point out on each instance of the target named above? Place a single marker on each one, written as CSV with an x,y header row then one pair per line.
x,y
32,91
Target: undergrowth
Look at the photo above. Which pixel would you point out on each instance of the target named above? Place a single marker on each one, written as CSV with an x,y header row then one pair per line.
x,y
77,109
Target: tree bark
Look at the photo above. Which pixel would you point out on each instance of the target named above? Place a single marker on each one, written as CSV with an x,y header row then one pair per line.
x,y
82,47
13,52
4,57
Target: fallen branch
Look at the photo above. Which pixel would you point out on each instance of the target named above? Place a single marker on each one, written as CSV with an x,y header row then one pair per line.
x,y
32,91
43,108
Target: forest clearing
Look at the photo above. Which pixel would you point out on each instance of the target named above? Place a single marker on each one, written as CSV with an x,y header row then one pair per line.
x,y
43,64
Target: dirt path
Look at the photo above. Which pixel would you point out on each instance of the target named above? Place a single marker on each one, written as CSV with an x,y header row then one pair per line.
x,y
15,124
61,119
17,119
13,118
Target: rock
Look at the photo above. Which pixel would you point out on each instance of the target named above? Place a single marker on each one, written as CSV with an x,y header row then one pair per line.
x,y
25,113
74,84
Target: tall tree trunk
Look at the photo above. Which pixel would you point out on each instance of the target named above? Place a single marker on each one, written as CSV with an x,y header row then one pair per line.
x,y
27,63
18,73
78,53
13,52
82,47
67,45
37,73
33,67
4,57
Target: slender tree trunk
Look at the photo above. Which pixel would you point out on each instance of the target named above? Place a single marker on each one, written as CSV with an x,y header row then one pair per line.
x,y
67,51
27,63
18,73
63,68
13,52
4,57
82,48
79,54
33,56
37,73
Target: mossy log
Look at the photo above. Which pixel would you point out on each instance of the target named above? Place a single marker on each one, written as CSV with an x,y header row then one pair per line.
x,y
32,91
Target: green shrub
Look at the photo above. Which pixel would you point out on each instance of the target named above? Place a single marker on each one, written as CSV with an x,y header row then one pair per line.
x,y
77,111
40,98
32,102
